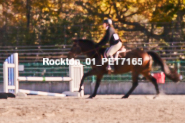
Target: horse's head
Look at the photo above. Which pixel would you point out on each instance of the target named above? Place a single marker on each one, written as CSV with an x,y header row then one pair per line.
x,y
80,46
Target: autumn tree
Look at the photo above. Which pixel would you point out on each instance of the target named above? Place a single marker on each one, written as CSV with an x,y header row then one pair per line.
x,y
32,22
132,14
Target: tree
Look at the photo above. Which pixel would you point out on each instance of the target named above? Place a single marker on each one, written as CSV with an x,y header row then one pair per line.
x,y
140,20
131,13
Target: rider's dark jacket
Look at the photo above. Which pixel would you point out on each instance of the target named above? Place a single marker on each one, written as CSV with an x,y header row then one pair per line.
x,y
109,37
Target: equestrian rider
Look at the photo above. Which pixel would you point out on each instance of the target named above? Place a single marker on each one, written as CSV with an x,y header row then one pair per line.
x,y
113,39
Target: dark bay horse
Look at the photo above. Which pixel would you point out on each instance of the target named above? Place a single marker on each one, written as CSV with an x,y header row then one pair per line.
x,y
87,47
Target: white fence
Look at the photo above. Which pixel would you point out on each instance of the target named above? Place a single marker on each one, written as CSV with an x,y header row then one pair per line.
x,y
12,78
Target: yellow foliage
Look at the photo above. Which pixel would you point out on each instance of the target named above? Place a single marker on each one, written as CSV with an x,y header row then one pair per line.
x,y
128,10
45,9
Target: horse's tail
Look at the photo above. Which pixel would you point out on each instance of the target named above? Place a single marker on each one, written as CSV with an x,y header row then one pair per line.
x,y
173,75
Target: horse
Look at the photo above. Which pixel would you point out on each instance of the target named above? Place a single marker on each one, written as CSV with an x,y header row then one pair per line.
x,y
87,47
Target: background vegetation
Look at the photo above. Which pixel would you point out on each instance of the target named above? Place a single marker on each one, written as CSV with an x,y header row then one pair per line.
x,y
46,22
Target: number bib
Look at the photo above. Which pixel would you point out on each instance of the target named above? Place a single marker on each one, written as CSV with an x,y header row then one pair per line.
x,y
116,37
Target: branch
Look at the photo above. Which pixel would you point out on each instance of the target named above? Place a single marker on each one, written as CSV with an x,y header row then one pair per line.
x,y
180,15
116,9
136,25
90,9
123,12
132,14
139,27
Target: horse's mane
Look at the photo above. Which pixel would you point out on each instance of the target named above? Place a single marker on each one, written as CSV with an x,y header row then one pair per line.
x,y
91,42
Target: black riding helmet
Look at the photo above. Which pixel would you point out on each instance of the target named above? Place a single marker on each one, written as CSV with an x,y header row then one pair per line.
x,y
108,21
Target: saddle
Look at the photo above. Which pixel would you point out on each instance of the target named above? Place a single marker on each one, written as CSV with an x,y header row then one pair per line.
x,y
119,54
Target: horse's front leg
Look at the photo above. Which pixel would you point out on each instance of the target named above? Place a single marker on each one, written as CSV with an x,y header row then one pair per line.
x,y
98,80
89,73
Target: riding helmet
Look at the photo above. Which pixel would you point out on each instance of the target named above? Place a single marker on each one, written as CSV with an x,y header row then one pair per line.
x,y
108,21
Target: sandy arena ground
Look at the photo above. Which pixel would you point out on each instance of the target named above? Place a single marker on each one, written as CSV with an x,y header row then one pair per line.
x,y
102,109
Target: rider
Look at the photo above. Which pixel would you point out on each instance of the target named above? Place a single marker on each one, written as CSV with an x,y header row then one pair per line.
x,y
114,40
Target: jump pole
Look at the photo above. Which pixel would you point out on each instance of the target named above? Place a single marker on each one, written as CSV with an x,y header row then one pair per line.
x,y
12,78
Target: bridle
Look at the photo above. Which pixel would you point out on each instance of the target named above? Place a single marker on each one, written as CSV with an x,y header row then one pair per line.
x,y
81,52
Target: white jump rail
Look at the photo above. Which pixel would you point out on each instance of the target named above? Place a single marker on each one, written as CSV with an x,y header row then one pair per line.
x,y
12,78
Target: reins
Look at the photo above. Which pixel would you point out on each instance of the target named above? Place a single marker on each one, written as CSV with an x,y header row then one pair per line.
x,y
96,52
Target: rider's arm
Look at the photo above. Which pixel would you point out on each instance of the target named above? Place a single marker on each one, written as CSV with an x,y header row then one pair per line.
x,y
106,38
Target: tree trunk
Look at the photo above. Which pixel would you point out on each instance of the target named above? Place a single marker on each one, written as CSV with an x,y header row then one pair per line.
x,y
28,8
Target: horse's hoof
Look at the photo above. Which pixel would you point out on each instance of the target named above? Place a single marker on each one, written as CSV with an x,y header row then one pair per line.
x,y
90,97
155,96
124,97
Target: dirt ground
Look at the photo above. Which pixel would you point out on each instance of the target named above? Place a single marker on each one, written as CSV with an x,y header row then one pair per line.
x,y
102,109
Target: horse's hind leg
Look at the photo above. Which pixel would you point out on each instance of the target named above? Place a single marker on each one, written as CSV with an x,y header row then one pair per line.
x,y
154,81
134,84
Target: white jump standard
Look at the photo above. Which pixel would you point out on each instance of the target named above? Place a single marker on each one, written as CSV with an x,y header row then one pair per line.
x,y
12,78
